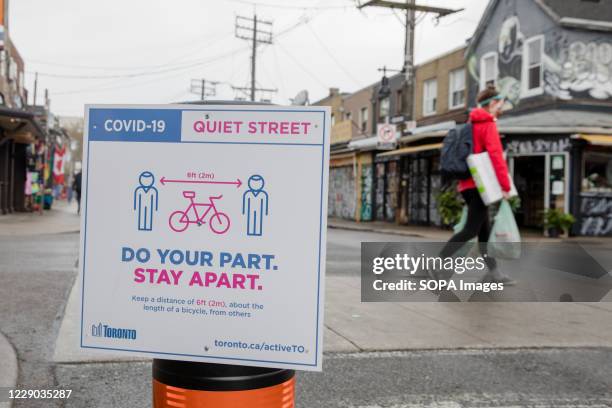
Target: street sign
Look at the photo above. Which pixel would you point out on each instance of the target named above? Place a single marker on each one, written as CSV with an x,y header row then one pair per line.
x,y
203,233
387,136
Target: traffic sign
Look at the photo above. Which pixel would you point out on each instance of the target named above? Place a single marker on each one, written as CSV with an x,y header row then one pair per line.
x,y
203,233
387,136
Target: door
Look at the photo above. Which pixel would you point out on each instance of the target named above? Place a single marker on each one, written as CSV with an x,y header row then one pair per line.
x,y
529,178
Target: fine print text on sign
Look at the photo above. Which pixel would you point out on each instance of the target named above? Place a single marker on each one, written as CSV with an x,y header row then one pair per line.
x,y
203,233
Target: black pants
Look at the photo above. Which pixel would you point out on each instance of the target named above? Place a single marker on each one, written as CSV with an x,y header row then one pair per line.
x,y
78,197
477,225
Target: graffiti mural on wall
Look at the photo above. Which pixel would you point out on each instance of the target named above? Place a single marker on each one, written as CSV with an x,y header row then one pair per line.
x,y
379,198
577,68
341,192
571,68
392,190
596,215
537,146
367,176
510,50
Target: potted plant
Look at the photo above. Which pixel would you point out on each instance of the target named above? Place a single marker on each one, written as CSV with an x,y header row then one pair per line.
x,y
449,207
557,222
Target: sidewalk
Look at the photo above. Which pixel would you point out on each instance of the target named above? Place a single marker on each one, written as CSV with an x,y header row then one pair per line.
x,y
356,326
437,234
8,369
62,218
415,231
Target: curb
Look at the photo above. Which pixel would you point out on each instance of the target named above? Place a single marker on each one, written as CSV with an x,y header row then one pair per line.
x,y
8,368
377,230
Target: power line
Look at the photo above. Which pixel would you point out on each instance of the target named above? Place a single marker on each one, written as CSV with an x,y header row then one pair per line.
x,y
182,70
331,55
289,7
301,66
139,74
126,68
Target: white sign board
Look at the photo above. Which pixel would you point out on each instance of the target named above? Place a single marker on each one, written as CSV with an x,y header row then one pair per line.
x,y
387,136
203,233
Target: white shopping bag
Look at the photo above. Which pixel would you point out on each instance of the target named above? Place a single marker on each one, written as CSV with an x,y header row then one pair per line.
x,y
485,178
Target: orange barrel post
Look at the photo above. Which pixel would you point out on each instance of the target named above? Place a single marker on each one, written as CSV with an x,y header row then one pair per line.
x,y
185,384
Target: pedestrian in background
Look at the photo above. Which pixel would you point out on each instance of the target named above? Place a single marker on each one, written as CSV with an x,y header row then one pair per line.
x,y
76,187
485,138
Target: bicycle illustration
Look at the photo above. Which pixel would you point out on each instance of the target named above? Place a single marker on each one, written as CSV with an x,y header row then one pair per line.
x,y
218,222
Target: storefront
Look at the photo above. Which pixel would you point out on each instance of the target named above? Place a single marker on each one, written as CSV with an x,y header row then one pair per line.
x,y
351,192
540,168
411,182
18,131
342,192
559,160
595,189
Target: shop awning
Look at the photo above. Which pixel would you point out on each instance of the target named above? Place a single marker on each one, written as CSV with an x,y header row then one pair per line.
x,y
557,121
366,144
597,140
20,125
411,149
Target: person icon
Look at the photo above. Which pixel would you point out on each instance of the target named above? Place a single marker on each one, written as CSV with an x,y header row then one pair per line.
x,y
255,205
145,201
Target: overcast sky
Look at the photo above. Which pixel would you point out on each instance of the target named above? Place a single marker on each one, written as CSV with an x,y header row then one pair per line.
x,y
147,51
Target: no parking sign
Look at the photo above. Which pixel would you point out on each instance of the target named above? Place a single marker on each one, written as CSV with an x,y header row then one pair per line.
x,y
203,233
387,136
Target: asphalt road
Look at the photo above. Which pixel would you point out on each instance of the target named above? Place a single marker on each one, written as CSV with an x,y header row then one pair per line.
x,y
37,272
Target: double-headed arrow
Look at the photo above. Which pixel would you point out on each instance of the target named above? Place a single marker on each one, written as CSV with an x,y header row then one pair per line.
x,y
164,180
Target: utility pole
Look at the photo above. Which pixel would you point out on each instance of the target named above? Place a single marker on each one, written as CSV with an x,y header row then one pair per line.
x,y
249,92
256,31
203,88
410,7
35,87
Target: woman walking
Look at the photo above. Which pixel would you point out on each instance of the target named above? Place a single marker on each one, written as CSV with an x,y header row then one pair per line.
x,y
485,138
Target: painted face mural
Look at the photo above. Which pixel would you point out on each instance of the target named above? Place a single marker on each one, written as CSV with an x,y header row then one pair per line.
x,y
510,40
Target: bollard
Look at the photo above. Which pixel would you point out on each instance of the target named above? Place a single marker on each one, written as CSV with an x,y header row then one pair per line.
x,y
186,384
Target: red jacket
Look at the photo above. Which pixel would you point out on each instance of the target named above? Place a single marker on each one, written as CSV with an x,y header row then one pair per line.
x,y
486,138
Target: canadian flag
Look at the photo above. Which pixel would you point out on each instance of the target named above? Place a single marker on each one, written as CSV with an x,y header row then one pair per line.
x,y
58,164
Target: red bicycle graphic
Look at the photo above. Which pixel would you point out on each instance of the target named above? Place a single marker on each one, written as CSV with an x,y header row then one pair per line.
x,y
218,222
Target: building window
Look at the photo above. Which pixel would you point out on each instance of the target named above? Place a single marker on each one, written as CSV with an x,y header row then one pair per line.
x,y
348,116
488,70
3,64
456,88
532,66
399,98
363,118
430,96
17,101
12,69
333,119
597,172
383,109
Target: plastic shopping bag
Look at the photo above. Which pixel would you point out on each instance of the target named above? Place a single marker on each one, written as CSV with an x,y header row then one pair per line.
x,y
467,248
505,239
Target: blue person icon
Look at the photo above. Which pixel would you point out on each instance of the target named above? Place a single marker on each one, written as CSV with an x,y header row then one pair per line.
x,y
255,205
145,201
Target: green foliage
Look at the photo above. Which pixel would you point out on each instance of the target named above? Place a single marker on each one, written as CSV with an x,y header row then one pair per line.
x,y
449,207
554,218
515,203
